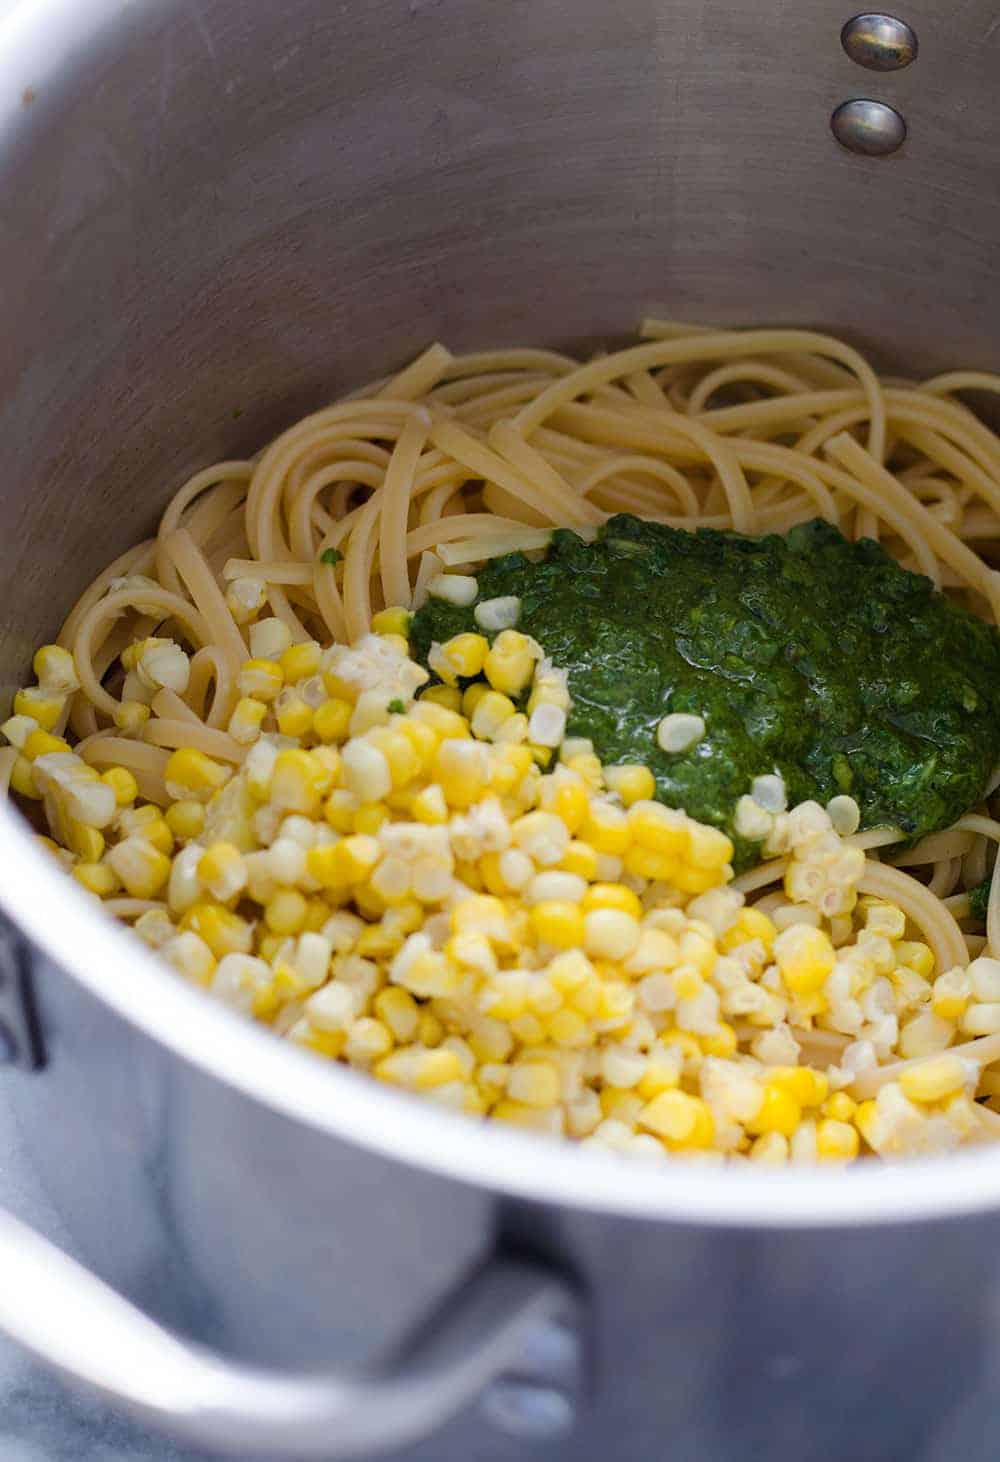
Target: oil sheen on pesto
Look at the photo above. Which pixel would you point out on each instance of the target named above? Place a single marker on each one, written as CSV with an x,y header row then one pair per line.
x,y
806,654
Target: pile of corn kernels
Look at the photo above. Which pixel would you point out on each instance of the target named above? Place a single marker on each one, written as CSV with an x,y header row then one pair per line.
x,y
447,893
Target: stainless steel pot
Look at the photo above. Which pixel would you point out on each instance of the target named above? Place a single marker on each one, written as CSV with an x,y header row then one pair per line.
x,y
213,217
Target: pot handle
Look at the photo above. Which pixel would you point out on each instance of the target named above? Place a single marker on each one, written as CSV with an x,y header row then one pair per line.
x,y
504,1327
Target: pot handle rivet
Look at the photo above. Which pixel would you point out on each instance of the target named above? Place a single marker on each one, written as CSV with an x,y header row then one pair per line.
x,y
871,128
879,42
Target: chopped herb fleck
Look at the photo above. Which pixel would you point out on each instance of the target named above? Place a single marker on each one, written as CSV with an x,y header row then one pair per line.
x,y
331,555
396,706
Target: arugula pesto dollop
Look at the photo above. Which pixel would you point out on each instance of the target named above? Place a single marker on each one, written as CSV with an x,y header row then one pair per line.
x,y
806,654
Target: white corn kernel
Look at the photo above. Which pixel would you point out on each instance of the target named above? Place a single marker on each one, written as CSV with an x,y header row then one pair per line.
x,y
497,614
458,589
546,725
679,732
269,639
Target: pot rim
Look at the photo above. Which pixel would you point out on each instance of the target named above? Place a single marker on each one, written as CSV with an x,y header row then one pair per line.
x,y
115,967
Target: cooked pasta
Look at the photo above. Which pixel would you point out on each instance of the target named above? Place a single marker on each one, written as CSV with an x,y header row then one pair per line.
x,y
363,506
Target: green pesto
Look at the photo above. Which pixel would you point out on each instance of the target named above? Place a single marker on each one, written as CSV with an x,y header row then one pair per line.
x,y
806,654
979,897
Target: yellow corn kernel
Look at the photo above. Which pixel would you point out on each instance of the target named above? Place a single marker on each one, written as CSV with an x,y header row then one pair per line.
x,y
779,1112
131,716
185,819
916,956
286,911
680,1120
708,848
392,621
658,1077
332,720
840,1107
357,857
261,679
402,756
429,806
809,1088
123,784
558,923
300,661
22,780
569,800
294,716
462,656
933,1080
223,931
569,1028
397,1009
588,766
836,1141
86,842
192,774
688,983
472,695
461,771
660,829
39,743
536,1083
369,817
606,829
448,697
296,783
55,669
490,712
156,830
632,783
222,871
950,994
748,925
96,878
805,957
339,809
722,1042
142,869
430,1031
580,858
42,705
690,879
246,720
612,896
510,662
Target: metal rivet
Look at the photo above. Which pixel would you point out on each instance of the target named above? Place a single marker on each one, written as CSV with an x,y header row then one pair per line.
x,y
525,1409
868,127
880,42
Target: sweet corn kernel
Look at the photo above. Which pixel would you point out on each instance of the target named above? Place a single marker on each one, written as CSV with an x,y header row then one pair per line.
x,y
40,743
192,774
300,661
429,806
805,957
223,931
123,784
631,783
536,1083
510,663
679,1119
613,896
97,878
558,923
448,697
246,720
836,1141
610,934
55,670
42,705
607,828
142,869
293,714
779,1112
185,819
261,679
331,720
222,871
490,712
286,912
86,842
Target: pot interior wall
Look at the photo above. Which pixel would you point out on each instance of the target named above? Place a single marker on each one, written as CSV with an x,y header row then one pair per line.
x,y
218,217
